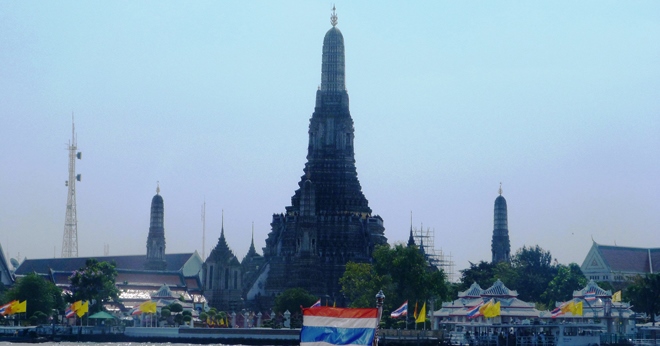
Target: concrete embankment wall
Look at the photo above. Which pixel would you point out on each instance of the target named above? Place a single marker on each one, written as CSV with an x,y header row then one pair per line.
x,y
252,336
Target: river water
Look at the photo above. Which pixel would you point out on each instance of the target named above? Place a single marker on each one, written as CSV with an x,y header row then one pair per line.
x,y
67,343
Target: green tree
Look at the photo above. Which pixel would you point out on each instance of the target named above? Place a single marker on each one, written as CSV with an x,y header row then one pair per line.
x,y
410,273
41,295
643,294
402,272
359,283
176,308
203,316
95,282
483,273
560,289
292,299
534,272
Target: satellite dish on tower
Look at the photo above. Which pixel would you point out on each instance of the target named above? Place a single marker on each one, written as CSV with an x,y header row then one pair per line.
x,y
14,262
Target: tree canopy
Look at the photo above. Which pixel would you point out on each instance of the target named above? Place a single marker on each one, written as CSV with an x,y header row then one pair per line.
x,y
532,273
643,294
560,289
402,272
95,282
292,299
41,295
535,271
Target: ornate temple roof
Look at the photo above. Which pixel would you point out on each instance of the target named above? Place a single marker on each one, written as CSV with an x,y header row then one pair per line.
x,y
510,305
164,292
596,302
175,262
499,290
630,259
473,292
592,287
222,253
252,251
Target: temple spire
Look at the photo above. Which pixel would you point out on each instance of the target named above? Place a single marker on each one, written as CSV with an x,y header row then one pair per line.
x,y
411,238
333,63
501,246
222,225
333,17
156,236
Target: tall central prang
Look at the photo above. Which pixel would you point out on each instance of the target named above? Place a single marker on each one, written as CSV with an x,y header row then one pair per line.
x,y
329,222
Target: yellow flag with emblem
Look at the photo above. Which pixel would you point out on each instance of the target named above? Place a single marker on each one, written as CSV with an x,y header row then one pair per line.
x,y
577,309
84,308
492,311
616,297
421,317
19,307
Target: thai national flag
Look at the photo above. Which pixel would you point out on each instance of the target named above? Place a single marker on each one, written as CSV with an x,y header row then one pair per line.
x,y
325,326
69,312
474,312
556,312
590,296
317,304
401,311
6,308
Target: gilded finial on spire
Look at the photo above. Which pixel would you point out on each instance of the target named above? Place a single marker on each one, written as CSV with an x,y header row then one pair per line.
x,y
333,17
157,187
500,191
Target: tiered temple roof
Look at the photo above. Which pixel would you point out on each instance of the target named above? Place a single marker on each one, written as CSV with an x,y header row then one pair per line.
x,y
511,307
596,303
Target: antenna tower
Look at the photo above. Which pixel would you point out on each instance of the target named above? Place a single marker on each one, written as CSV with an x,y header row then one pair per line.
x,y
204,231
70,239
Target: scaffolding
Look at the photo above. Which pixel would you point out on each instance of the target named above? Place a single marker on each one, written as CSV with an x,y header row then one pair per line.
x,y
425,239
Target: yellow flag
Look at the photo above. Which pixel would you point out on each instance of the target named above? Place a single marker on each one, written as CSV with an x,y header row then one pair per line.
x,y
84,308
76,305
568,307
492,311
421,317
616,297
19,307
151,308
415,312
485,307
148,307
577,309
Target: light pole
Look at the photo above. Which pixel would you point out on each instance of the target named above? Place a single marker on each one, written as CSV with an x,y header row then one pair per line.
x,y
380,297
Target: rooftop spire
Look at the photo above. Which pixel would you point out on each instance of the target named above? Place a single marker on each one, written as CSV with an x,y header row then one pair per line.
x,y
500,191
333,17
158,187
222,225
411,238
333,64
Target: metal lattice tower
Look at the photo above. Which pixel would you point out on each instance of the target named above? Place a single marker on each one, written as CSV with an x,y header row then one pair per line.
x,y
435,257
70,239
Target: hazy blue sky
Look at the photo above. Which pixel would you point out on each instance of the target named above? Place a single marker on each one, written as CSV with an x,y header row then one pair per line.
x,y
558,100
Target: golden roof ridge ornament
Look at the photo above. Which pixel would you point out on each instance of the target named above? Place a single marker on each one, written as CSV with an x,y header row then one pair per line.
x,y
333,17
